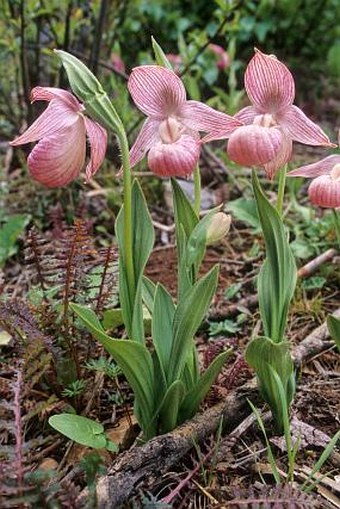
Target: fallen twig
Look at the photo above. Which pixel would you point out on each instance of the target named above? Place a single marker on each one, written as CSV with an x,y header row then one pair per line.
x,y
314,343
312,266
250,302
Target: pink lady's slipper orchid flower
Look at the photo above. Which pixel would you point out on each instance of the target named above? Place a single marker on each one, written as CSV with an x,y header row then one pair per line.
x,y
324,190
272,122
61,131
170,134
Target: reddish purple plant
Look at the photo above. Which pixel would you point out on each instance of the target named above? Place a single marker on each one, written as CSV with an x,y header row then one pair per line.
x,y
170,134
61,131
272,121
117,63
324,190
223,60
176,61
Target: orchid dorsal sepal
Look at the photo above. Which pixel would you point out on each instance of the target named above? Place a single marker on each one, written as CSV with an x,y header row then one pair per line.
x,y
87,88
161,58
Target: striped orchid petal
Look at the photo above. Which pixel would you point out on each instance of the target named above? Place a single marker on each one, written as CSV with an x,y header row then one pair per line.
x,y
56,117
56,160
302,129
200,117
323,167
50,93
247,115
269,83
158,92
146,138
97,137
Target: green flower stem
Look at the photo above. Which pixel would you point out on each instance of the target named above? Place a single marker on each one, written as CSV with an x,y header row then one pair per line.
x,y
124,147
336,216
281,189
197,189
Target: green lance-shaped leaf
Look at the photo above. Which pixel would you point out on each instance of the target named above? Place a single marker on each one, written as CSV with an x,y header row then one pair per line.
x,y
185,220
168,414
185,277
190,373
148,293
277,278
263,355
333,324
189,314
143,237
80,429
161,58
197,242
86,86
133,358
162,326
195,396
184,211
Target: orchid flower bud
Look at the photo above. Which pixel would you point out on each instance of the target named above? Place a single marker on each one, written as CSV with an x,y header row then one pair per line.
x,y
86,86
218,228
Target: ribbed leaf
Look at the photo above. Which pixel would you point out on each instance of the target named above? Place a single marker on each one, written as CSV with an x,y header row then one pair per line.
x,y
263,355
190,374
188,317
194,397
185,278
148,293
185,219
184,211
162,326
143,237
277,278
168,415
196,244
133,358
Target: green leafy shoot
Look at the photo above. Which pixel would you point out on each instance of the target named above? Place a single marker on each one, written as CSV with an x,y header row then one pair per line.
x,y
75,388
314,283
225,327
103,365
232,291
